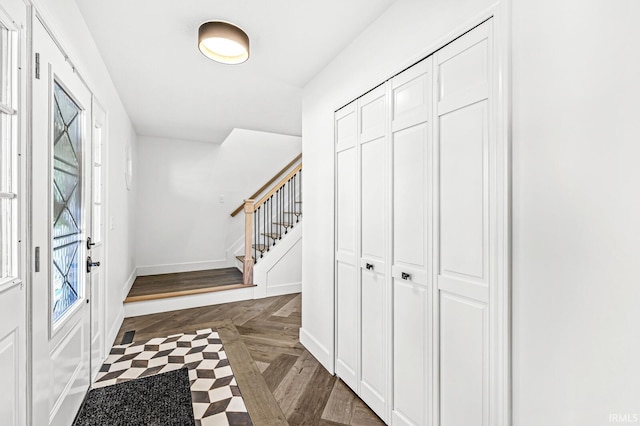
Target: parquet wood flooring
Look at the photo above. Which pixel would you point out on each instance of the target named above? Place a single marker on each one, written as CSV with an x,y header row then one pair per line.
x,y
268,328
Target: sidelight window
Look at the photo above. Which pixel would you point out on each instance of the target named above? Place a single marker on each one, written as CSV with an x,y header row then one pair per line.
x,y
8,155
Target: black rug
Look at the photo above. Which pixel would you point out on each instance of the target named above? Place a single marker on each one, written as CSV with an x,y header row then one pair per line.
x,y
160,400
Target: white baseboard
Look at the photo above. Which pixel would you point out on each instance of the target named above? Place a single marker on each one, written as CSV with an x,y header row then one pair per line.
x,y
181,267
146,307
127,286
279,290
113,330
316,349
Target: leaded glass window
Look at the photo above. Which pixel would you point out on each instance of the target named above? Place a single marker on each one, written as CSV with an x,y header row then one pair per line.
x,y
67,203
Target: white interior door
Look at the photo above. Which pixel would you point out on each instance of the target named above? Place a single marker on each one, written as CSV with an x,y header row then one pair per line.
x,y
374,287
347,293
466,236
410,138
61,196
96,245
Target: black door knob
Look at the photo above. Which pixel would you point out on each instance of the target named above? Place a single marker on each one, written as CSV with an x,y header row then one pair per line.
x,y
91,264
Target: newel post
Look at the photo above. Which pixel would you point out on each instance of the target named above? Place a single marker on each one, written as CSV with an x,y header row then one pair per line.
x,y
247,271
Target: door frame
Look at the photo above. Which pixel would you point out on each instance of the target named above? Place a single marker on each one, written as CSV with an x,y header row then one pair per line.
x,y
95,102
33,15
500,358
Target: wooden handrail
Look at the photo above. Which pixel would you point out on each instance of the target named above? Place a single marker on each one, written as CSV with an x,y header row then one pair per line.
x,y
278,185
266,185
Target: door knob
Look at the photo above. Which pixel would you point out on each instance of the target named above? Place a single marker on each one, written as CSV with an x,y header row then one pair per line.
x,y
369,266
91,264
406,276
89,243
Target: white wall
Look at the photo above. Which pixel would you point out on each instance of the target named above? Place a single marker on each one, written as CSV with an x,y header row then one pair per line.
x,y
182,225
576,209
405,33
64,18
576,277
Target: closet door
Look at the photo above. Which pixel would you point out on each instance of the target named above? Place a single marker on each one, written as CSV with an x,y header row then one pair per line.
x,y
465,193
410,140
347,292
374,226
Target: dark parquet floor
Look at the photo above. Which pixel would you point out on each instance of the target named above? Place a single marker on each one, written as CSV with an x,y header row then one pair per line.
x,y
306,392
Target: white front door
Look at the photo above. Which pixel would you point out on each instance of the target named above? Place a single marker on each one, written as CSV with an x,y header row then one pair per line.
x,y
61,196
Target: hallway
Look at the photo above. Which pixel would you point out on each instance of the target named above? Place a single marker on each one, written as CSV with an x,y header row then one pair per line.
x,y
305,392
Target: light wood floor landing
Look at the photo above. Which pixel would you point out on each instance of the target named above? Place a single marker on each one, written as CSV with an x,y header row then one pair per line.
x,y
152,287
267,332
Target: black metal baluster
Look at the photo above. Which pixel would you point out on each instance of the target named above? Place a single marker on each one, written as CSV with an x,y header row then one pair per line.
x,y
289,207
296,187
280,203
286,203
264,231
255,237
273,240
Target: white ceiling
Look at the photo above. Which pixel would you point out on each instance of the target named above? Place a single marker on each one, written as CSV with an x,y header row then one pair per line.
x,y
171,90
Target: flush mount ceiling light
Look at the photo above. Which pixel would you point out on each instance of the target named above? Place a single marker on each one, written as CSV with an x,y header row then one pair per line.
x,y
223,42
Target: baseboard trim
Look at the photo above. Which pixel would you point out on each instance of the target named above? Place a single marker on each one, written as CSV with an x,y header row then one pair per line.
x,y
279,290
181,267
316,349
135,309
113,330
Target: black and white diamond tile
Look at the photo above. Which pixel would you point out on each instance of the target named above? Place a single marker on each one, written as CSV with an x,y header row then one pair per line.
x,y
216,397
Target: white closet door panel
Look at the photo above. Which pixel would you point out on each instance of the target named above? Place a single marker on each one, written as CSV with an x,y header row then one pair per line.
x,y
411,96
410,196
347,331
413,275
464,64
346,201
410,334
374,341
373,198
347,296
464,192
346,127
373,114
463,361
374,265
462,228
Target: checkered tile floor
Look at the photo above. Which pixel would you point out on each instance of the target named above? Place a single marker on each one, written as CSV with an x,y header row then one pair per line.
x,y
214,391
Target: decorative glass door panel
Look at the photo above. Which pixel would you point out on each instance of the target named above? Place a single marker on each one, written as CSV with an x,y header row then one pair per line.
x,y
67,204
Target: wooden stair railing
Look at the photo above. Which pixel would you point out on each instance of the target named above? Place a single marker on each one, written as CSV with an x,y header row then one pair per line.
x,y
265,219
266,185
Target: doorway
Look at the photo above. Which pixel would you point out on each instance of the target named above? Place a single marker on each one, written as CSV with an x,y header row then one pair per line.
x,y
66,335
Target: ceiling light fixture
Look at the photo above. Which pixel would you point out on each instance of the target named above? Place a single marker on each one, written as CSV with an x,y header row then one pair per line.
x,y
223,42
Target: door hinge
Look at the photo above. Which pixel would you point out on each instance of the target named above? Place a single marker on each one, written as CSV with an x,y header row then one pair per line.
x,y
37,65
37,259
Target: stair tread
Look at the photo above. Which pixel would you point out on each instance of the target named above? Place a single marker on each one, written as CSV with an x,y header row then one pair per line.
x,y
260,247
296,213
240,258
287,224
272,235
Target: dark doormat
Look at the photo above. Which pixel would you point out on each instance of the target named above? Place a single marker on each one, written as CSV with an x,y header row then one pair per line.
x,y
160,400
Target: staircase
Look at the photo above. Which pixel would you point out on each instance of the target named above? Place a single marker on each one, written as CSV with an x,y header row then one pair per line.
x,y
272,232
270,259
